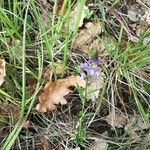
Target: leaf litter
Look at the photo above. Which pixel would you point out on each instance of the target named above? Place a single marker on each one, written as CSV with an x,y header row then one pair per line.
x,y
48,70
99,144
54,93
135,126
9,113
116,119
139,15
86,40
42,143
74,15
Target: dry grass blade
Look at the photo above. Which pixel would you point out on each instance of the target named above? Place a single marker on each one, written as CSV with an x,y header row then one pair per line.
x,y
2,71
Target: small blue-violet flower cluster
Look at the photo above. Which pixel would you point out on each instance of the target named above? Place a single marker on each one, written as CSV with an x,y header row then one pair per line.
x,y
90,67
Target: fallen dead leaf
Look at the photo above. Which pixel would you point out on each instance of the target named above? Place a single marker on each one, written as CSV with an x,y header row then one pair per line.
x,y
99,144
55,91
136,123
26,125
2,71
94,85
86,38
139,29
138,14
147,16
9,113
132,15
116,119
31,82
74,15
43,144
47,71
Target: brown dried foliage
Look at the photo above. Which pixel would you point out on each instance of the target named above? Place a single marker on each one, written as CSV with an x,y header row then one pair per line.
x,y
86,38
55,91
9,113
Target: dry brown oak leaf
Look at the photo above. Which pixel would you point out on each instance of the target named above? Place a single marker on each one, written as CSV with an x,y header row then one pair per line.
x,y
55,91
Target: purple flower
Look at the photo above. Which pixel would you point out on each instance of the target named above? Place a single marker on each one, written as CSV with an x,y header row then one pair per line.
x,y
91,67
94,72
84,66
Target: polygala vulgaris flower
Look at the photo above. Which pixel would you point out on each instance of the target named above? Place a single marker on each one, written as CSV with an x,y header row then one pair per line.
x,y
91,67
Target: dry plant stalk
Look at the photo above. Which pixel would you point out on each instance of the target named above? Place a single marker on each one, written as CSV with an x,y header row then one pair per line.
x,y
60,7
2,71
55,91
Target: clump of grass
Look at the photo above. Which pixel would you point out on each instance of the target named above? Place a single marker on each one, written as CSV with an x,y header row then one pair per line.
x,y
127,61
